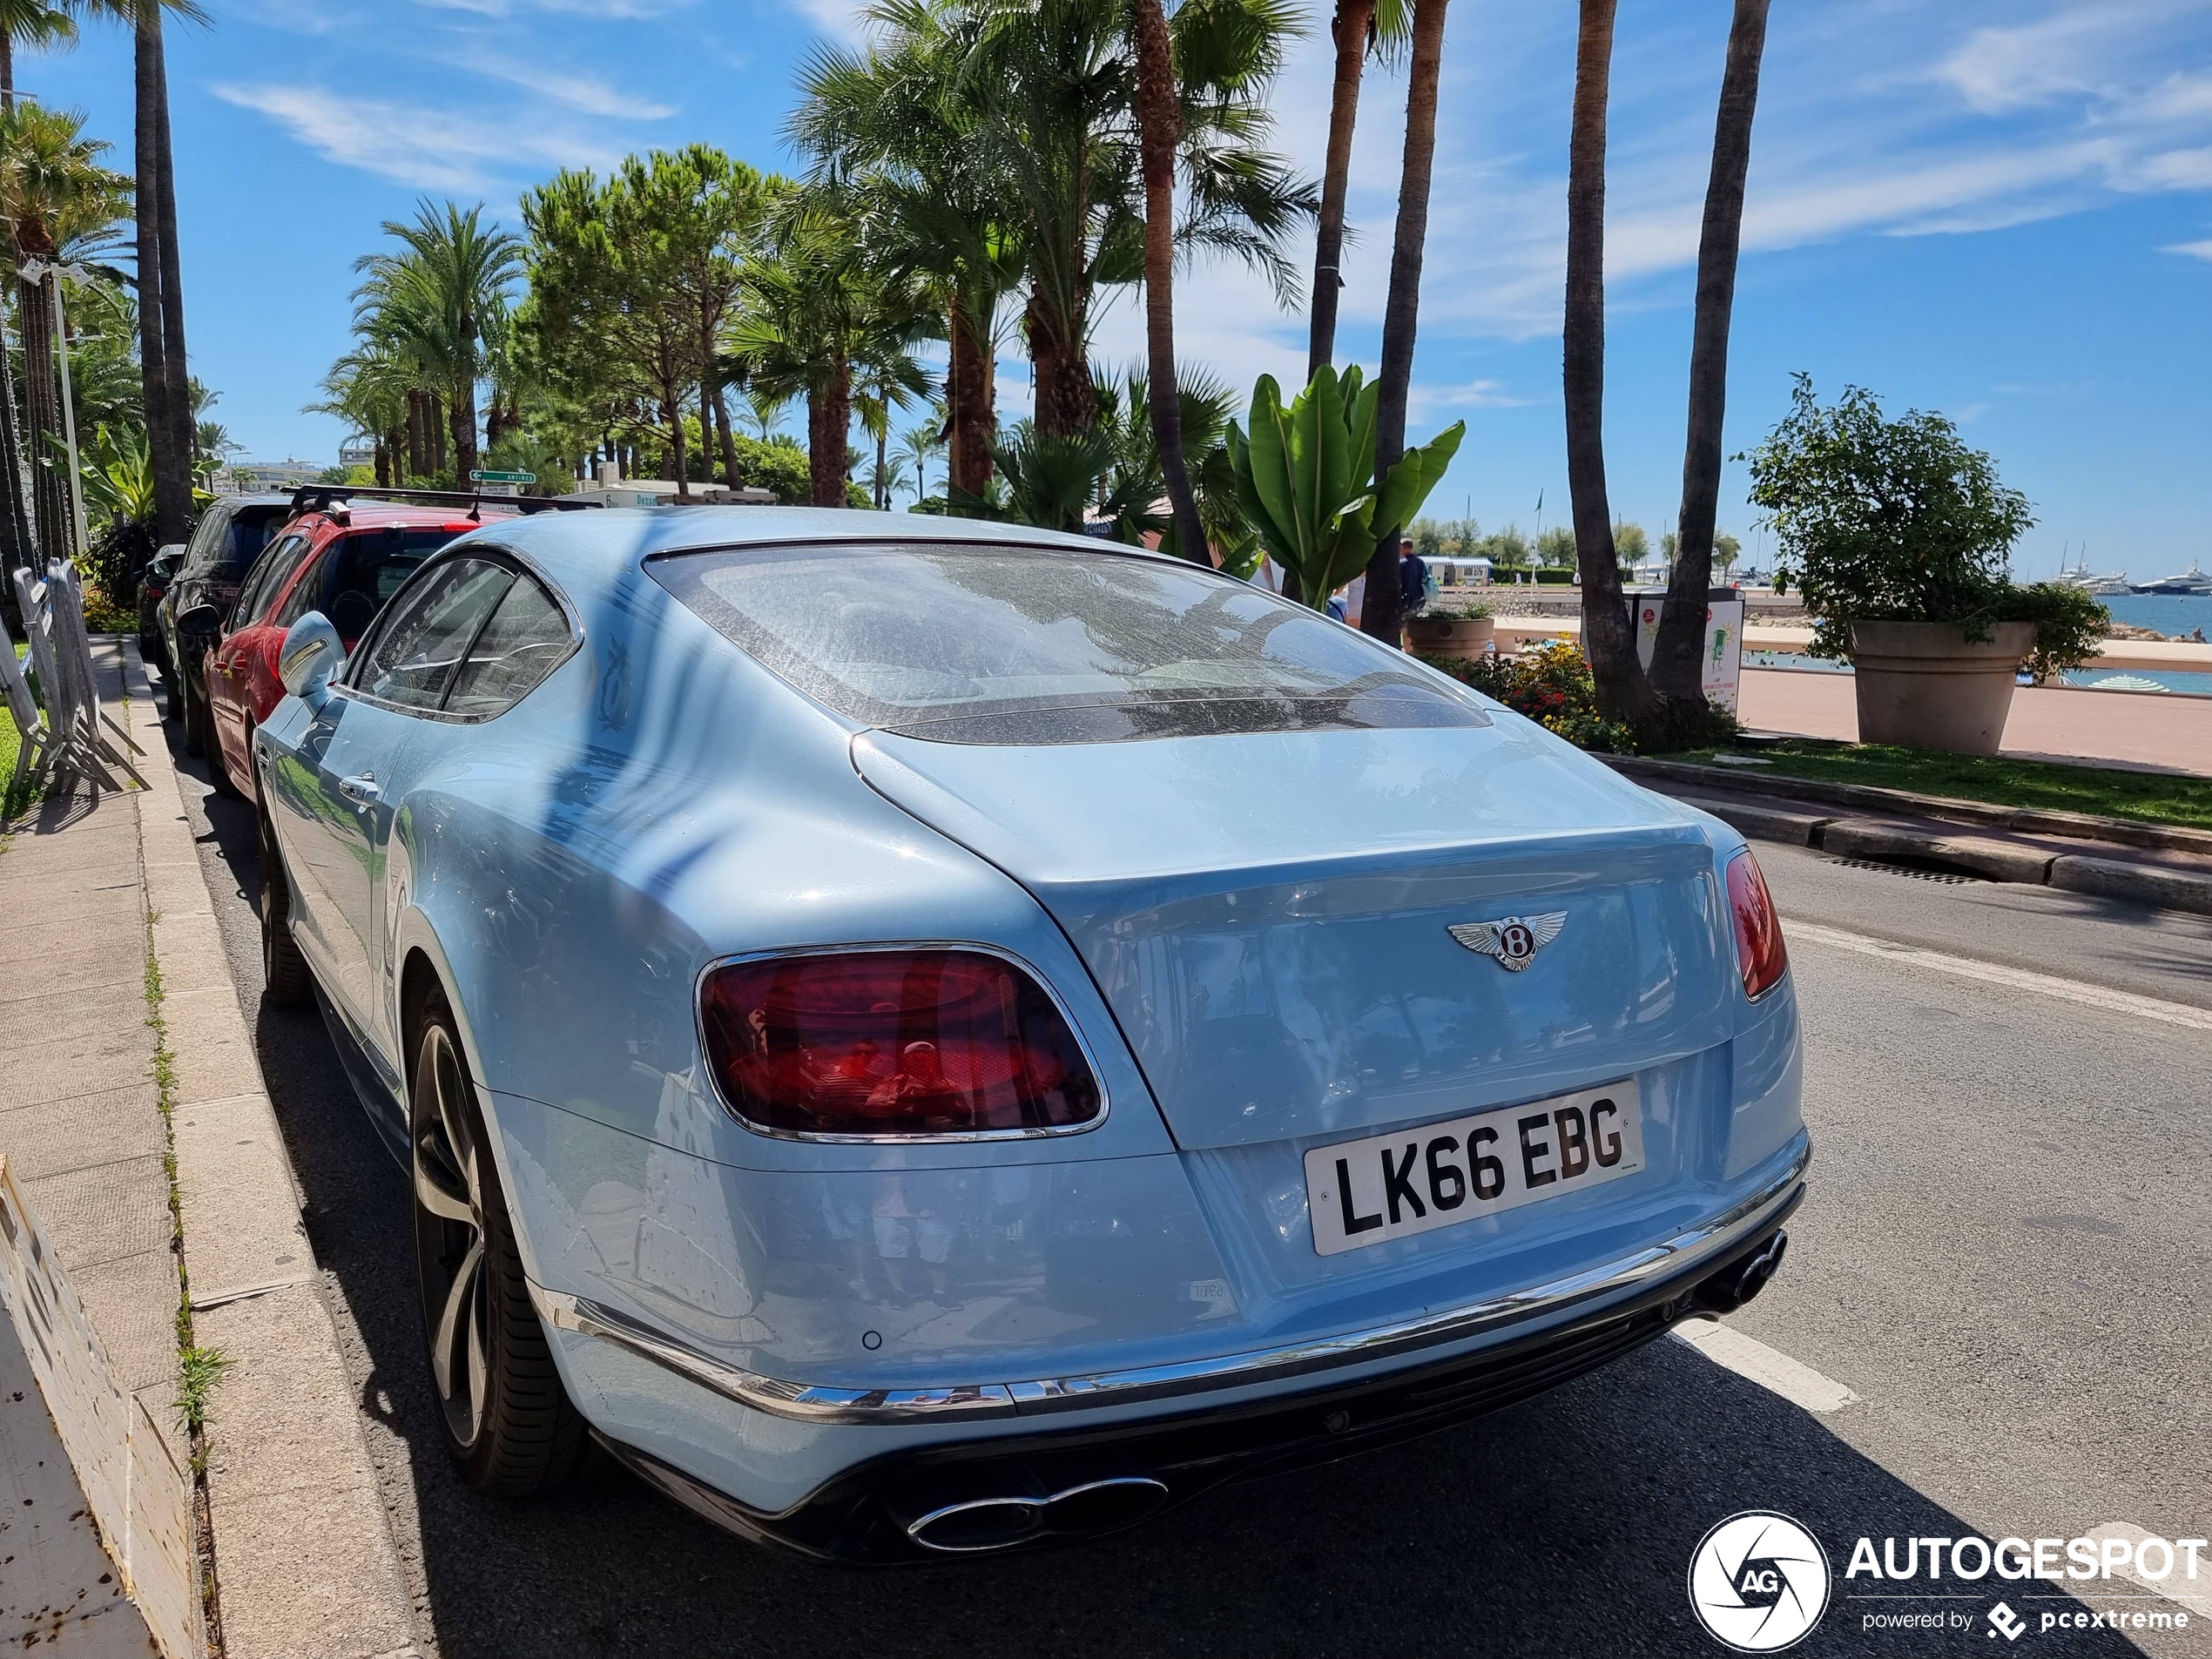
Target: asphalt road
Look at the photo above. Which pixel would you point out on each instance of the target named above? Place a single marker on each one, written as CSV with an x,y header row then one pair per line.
x,y
2006,1256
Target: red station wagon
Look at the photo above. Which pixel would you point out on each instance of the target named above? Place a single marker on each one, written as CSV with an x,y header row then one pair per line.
x,y
344,563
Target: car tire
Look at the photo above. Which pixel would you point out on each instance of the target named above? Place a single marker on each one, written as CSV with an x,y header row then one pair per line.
x,y
507,1422
195,714
287,981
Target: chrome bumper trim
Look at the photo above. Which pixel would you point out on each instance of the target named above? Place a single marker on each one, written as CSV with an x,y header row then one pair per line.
x,y
817,1403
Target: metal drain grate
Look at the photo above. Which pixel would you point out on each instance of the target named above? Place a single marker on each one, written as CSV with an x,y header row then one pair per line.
x,y
1950,877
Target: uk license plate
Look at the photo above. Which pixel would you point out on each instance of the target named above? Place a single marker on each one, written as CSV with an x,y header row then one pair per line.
x,y
1392,1186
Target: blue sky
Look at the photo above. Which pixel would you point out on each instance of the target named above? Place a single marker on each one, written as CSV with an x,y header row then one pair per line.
x,y
1998,208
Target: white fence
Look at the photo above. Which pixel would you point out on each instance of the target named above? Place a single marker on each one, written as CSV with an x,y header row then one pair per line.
x,y
69,735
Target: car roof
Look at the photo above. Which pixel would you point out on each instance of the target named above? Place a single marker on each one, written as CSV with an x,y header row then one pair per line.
x,y
603,549
379,516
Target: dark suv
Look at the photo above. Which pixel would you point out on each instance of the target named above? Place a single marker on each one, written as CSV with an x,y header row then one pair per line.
x,y
228,538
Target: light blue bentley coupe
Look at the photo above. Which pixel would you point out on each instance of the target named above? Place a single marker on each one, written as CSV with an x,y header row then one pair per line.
x,y
926,1036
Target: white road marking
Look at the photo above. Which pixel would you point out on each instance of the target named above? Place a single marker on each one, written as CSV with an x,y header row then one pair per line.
x,y
1771,1369
2195,1594
2019,979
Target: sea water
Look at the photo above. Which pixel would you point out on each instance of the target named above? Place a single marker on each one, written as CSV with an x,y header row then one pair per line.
x,y
2170,613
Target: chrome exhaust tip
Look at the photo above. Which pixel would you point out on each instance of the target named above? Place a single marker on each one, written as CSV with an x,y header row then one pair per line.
x,y
1000,1523
1730,1289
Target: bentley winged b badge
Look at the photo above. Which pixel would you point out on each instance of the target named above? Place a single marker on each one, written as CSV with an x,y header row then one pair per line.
x,y
1514,941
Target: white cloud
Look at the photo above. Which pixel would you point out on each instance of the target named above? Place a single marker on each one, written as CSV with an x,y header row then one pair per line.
x,y
1425,404
610,10
431,149
2194,250
2089,101
585,93
839,19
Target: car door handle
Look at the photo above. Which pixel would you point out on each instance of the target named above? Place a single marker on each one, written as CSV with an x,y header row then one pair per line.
x,y
361,791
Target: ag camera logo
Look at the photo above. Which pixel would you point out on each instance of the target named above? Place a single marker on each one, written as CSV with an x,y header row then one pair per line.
x,y
1758,1582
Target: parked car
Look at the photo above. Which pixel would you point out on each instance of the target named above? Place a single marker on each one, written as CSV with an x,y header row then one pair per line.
x,y
342,562
224,544
934,1040
153,585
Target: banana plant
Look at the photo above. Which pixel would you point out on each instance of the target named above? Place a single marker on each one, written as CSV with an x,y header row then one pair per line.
x,y
1305,479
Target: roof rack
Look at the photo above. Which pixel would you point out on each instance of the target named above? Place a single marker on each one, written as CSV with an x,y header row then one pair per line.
x,y
320,498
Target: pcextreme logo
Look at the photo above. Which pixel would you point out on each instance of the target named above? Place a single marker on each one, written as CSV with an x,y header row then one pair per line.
x,y
1758,1582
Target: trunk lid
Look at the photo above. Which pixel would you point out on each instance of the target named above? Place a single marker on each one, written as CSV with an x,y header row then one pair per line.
x,y
1268,916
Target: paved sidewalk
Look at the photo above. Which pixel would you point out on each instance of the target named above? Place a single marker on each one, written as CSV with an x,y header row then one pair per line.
x,y
2047,723
307,1563
80,1116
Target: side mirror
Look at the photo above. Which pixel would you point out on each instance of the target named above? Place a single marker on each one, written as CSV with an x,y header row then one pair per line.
x,y
200,619
311,654
168,561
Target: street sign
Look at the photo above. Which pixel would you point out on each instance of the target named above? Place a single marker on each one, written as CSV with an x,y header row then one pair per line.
x,y
483,477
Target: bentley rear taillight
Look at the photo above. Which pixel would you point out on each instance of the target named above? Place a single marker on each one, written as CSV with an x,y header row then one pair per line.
x,y
894,1042
1759,951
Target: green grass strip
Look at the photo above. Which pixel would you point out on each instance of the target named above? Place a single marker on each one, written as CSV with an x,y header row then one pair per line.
x,y
2147,797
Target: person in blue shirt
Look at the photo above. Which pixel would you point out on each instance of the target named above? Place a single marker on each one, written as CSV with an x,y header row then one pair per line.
x,y
1412,577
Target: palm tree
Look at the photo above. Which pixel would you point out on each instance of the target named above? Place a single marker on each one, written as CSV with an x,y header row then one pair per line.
x,y
885,383
895,123
53,190
430,303
1676,655
367,388
1623,692
36,25
1159,126
1052,90
764,406
1358,28
818,305
918,444
1382,612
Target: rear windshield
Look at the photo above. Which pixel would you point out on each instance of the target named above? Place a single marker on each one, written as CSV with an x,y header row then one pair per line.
x,y
245,536
989,644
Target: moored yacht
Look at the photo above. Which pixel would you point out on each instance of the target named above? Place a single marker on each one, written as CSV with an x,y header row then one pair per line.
x,y
2192,580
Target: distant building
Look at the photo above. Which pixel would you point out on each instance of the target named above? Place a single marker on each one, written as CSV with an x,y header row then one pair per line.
x,y
360,453
1651,571
256,477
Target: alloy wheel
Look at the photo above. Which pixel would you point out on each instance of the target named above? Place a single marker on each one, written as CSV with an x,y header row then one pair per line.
x,y
449,1236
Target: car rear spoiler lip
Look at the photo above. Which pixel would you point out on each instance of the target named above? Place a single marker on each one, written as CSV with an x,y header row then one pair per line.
x,y
822,1403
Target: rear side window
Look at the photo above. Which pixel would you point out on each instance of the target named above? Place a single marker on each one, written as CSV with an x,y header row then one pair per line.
x,y
1022,644
413,658
525,640
265,581
368,568
301,599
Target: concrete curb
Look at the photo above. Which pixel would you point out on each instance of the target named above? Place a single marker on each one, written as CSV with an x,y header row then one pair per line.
x,y
306,1562
2163,886
2028,820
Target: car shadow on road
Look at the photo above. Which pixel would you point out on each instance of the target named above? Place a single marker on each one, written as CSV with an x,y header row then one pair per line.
x,y
1565,1525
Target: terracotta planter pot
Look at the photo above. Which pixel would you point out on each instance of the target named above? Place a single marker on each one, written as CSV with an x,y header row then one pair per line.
x,y
1925,685
1449,636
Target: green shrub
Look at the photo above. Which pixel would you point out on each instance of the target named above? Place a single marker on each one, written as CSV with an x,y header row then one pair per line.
x,y
1882,520
2069,625
1551,683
